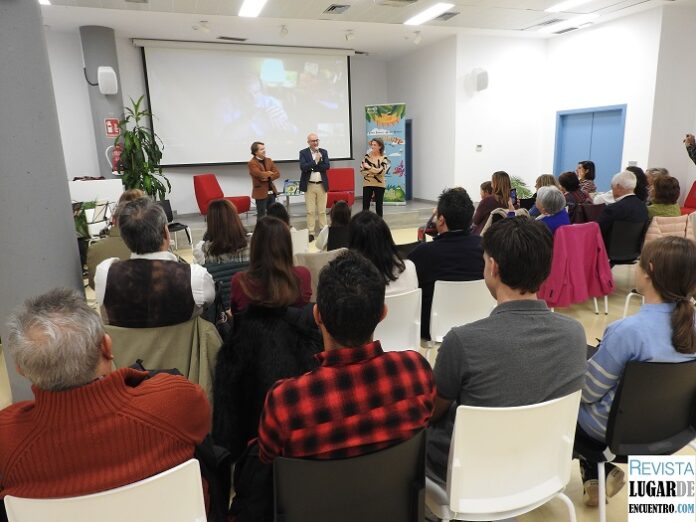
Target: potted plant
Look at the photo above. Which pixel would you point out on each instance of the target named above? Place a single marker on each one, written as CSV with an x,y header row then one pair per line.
x,y
142,151
82,227
523,191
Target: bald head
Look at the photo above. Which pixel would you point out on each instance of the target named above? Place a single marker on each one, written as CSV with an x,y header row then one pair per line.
x,y
313,141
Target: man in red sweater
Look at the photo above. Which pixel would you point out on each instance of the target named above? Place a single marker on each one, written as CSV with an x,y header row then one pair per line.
x,y
89,428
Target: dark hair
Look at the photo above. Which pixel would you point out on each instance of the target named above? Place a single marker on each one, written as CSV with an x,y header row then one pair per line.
x,y
666,189
224,229
255,146
380,142
523,249
487,187
669,263
369,235
589,169
278,210
641,189
500,182
569,181
456,207
350,299
340,214
142,223
270,280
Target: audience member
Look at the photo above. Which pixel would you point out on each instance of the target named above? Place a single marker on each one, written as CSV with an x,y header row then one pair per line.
x,y
453,255
522,354
690,143
665,195
271,279
112,245
370,236
500,198
570,185
641,189
551,204
336,235
225,239
486,189
652,174
361,398
278,210
662,331
586,174
627,206
151,288
545,180
89,428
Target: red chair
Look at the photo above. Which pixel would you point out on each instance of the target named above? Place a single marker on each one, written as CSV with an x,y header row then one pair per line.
x,y
341,186
208,189
690,201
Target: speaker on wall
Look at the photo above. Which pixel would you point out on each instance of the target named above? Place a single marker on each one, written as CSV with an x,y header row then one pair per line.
x,y
481,80
106,79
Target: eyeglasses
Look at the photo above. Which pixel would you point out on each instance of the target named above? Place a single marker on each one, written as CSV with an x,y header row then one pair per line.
x,y
314,141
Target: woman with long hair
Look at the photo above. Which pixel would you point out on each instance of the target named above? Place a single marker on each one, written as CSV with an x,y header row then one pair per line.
x,y
271,280
225,239
371,237
501,185
336,235
641,189
373,168
586,174
662,331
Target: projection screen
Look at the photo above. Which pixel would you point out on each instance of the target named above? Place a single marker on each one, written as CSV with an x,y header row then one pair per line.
x,y
209,104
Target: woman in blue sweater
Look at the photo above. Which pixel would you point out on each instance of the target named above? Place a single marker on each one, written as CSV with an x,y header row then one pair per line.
x,y
662,331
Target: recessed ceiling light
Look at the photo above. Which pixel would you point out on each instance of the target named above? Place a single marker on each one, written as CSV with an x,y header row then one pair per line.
x,y
45,2
576,21
566,6
283,30
430,13
349,35
251,8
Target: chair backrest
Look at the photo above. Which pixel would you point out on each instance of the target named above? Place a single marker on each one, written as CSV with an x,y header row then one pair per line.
x,y
456,303
341,179
406,248
223,272
400,329
626,241
207,189
527,203
654,409
167,207
587,212
175,495
661,226
690,200
505,458
300,241
315,261
385,485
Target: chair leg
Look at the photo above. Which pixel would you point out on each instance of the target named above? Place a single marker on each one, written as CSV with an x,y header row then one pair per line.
x,y
176,243
602,493
569,504
596,308
188,235
606,305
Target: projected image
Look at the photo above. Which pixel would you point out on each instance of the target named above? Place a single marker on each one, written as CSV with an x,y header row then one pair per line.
x,y
229,99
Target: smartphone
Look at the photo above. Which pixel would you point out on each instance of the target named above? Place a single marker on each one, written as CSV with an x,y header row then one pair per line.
x,y
513,196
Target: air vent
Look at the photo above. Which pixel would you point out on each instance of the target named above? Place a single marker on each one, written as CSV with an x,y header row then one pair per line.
x,y
549,22
566,30
138,1
231,39
395,3
445,16
336,9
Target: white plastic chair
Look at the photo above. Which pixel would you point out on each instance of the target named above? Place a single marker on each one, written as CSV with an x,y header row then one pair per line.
x,y
456,303
175,495
400,329
300,241
494,476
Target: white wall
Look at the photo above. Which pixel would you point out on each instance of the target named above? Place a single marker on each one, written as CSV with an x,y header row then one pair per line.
x,y
72,104
426,81
611,64
504,118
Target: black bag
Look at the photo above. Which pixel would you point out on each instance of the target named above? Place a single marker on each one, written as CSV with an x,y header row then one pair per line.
x,y
216,313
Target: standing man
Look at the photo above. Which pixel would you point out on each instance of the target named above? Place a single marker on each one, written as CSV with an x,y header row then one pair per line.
x,y
314,162
262,171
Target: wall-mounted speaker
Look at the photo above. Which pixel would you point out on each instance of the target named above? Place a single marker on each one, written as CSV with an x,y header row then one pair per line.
x,y
106,79
481,80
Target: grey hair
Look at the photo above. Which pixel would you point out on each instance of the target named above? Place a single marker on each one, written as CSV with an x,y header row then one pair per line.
x,y
55,340
625,179
657,171
551,199
142,223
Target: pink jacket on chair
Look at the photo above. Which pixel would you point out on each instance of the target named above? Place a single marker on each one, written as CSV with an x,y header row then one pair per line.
x,y
580,267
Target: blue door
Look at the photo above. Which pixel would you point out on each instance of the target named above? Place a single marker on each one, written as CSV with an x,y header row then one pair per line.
x,y
591,134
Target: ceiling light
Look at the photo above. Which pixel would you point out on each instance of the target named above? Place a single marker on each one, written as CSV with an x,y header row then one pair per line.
x,y
349,35
203,26
283,30
45,2
566,6
430,13
251,8
576,21
418,38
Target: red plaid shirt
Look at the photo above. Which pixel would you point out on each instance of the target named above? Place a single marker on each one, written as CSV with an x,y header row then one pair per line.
x,y
359,400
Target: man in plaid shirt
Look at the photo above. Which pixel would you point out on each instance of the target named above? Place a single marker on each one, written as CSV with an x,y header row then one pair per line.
x,y
360,399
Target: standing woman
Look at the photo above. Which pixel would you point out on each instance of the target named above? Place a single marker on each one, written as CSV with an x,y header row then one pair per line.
x,y
374,169
500,182
586,174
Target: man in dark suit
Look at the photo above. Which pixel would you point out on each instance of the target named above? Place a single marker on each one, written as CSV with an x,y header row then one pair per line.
x,y
626,206
314,162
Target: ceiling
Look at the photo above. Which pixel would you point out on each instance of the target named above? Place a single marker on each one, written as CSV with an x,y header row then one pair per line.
x,y
377,29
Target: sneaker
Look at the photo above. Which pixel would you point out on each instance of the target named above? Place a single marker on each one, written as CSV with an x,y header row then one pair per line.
x,y
311,238
616,479
590,494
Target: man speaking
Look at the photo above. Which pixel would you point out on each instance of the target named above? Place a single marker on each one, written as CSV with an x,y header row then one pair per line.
x,y
314,162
